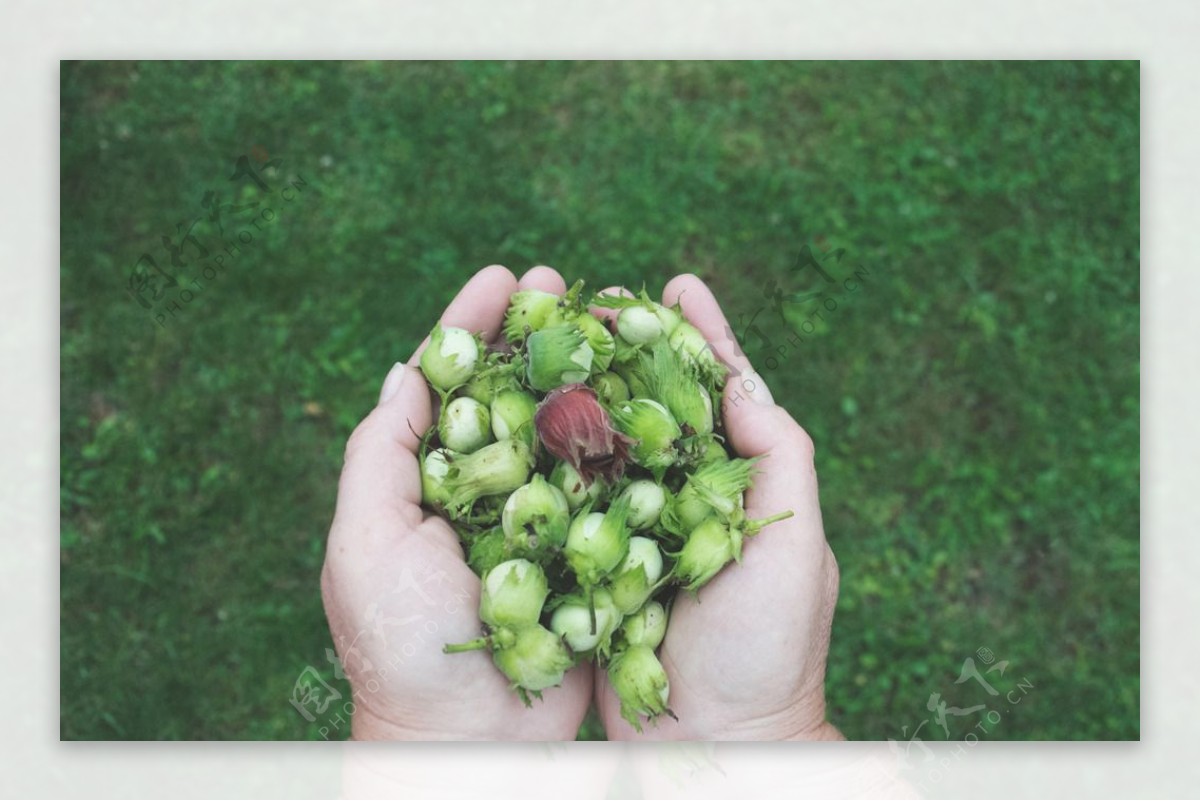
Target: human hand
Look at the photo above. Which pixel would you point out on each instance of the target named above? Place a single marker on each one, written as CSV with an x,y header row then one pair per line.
x,y
396,585
746,655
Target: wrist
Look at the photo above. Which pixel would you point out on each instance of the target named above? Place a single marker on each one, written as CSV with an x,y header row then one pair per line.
x,y
822,732
366,726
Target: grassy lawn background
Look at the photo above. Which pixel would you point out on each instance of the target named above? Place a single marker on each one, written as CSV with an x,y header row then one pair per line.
x,y
974,401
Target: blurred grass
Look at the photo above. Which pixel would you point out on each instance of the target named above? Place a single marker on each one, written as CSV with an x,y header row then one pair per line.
x,y
974,401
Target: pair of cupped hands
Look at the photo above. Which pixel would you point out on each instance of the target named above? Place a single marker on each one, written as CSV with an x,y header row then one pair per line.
x,y
745,657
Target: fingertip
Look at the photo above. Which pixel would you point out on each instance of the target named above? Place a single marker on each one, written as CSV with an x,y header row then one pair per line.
x,y
680,285
494,273
543,278
616,291
405,405
609,315
695,299
392,383
700,308
479,306
381,454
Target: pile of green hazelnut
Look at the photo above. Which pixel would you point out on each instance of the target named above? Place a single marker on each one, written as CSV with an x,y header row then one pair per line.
x,y
583,467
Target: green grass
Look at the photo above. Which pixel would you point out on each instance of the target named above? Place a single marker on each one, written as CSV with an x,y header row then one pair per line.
x,y
974,402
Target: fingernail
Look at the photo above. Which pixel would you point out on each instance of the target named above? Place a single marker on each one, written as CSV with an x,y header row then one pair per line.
x,y
754,386
392,384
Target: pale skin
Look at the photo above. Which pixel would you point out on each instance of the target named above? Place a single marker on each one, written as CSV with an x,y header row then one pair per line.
x,y
745,658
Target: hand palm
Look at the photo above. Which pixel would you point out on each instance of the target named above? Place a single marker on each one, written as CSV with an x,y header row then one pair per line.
x,y
746,655
745,659
418,594
746,652
397,587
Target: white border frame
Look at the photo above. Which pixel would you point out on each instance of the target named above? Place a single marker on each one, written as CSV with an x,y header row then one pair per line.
x,y
35,36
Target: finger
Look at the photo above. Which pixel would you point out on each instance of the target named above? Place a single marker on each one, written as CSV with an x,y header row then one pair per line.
x,y
381,468
382,472
785,476
544,278
479,306
702,310
609,316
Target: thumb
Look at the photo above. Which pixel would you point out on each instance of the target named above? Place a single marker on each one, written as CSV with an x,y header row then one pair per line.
x,y
785,476
381,470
